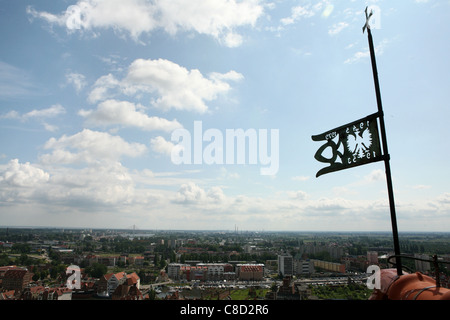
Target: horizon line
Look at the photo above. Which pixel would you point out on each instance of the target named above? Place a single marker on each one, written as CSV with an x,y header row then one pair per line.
x,y
210,230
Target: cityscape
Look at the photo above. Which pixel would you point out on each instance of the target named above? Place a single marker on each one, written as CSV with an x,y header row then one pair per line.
x,y
133,264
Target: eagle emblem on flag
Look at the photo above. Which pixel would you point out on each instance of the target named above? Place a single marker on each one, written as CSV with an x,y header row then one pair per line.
x,y
351,145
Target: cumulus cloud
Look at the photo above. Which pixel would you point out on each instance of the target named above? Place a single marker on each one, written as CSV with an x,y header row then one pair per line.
x,y
23,174
191,193
113,112
96,184
89,187
174,86
216,18
79,171
89,146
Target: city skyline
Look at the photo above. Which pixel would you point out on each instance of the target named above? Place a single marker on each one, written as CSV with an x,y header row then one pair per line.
x,y
91,92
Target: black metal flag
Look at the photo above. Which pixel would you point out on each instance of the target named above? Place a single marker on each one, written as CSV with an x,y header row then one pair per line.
x,y
350,145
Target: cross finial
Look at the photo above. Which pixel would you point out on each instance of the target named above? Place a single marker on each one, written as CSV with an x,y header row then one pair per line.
x,y
367,25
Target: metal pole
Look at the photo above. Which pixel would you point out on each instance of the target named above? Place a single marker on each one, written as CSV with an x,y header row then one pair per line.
x,y
386,155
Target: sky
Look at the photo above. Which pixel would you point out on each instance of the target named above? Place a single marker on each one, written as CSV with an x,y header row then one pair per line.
x,y
115,114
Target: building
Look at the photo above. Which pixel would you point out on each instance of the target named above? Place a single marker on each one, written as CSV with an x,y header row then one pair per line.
x,y
422,266
7,295
215,271
133,280
16,279
174,270
190,273
127,291
109,282
329,266
303,267
286,265
372,257
108,261
201,271
6,268
45,293
287,291
250,272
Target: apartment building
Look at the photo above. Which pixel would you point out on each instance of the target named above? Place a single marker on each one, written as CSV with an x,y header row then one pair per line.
x,y
286,265
250,272
303,266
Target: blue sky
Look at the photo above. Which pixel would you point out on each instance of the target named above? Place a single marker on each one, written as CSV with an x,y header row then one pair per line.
x,y
91,92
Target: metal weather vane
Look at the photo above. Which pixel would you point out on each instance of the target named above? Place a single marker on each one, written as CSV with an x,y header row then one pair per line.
x,y
358,143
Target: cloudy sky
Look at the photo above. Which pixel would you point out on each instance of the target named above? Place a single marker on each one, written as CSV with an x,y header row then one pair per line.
x,y
93,92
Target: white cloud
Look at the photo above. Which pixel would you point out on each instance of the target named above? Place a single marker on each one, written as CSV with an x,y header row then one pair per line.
x,y
113,112
45,113
376,175
103,184
175,87
232,40
133,16
161,145
297,13
50,127
50,112
23,174
90,146
379,50
37,114
298,195
216,18
102,87
191,193
67,188
308,11
337,27
13,114
77,80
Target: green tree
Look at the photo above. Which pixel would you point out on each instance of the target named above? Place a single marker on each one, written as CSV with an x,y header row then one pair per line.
x,y
97,270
